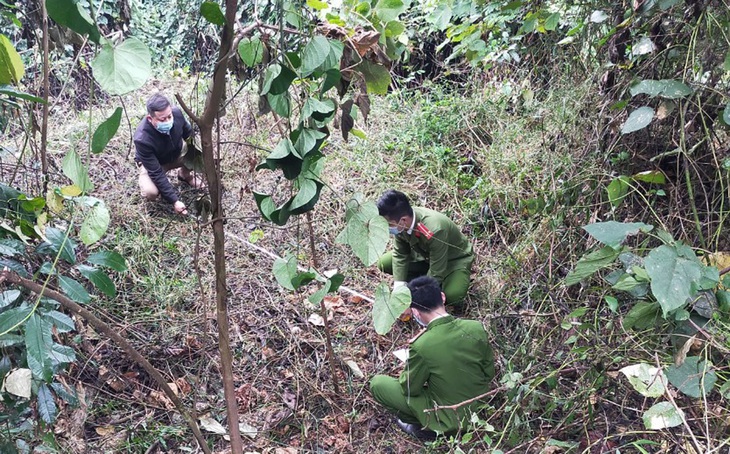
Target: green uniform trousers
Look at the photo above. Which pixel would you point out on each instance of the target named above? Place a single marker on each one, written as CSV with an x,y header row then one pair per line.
x,y
454,286
389,393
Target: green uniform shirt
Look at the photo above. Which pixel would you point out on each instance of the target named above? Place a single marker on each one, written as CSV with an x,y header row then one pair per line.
x,y
449,363
434,239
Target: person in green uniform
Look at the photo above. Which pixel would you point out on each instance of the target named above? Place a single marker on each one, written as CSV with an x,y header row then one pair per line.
x,y
448,363
426,243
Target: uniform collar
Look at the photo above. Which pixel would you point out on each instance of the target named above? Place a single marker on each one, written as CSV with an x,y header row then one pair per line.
x,y
440,320
413,224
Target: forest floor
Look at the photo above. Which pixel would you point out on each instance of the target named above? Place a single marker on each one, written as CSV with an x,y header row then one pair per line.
x,y
557,363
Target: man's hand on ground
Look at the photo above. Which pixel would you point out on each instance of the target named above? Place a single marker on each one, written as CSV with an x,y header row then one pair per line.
x,y
180,208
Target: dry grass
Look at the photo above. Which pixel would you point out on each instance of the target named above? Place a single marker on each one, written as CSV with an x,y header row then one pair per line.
x,y
567,388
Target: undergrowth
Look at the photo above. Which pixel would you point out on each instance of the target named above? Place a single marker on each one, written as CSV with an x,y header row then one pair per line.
x,y
521,174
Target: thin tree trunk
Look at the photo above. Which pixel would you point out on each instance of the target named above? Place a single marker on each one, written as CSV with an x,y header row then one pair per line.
x,y
44,95
206,122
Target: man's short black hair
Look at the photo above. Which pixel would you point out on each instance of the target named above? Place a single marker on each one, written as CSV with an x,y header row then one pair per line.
x,y
425,293
157,103
394,205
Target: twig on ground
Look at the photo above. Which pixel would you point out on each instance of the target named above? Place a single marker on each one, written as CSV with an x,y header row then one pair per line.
x,y
189,416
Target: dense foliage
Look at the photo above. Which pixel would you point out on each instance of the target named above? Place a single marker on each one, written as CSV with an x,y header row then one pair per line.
x,y
602,122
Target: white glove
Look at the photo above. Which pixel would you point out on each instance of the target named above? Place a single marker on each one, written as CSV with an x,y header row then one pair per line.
x,y
397,284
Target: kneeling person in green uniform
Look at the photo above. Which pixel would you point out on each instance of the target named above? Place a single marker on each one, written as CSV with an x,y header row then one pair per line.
x,y
448,363
426,243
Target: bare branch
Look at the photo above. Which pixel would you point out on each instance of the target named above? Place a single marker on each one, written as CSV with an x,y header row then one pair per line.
x,y
100,325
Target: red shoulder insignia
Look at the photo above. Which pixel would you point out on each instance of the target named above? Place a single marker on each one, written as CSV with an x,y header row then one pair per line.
x,y
413,339
423,230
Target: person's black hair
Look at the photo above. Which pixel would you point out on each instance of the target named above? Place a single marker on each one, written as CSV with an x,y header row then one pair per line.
x,y
157,103
425,293
394,205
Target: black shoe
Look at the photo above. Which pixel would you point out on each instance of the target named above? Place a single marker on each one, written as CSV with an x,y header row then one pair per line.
x,y
417,431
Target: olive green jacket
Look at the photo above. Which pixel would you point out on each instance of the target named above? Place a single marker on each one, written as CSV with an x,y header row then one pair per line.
x,y
449,363
435,239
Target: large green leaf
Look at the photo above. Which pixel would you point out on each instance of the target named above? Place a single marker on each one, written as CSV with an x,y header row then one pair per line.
x,y
76,171
284,271
668,88
38,345
334,56
675,89
662,416
726,114
269,210
389,306
617,190
212,12
331,78
46,405
646,379
123,68
377,77
59,242
676,275
251,51
109,259
308,191
320,111
14,266
647,87
95,224
99,279
71,14
612,233
281,104
11,66
8,297
105,131
590,263
11,319
307,141
61,354
651,177
317,4
693,377
61,321
74,290
638,119
277,79
314,54
366,231
66,393
330,286
11,247
10,91
388,10
284,157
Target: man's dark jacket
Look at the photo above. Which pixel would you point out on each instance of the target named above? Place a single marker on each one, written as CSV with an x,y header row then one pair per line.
x,y
155,149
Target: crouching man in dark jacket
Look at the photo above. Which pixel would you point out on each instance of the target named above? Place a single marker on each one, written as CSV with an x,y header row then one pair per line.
x,y
160,144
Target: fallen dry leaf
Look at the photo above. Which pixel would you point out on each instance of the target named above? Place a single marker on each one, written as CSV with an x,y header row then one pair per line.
x,y
285,451
105,431
290,399
355,368
211,425
159,399
183,385
316,320
174,389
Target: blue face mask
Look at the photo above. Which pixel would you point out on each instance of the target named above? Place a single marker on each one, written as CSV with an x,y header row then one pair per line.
x,y
419,321
393,230
165,126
